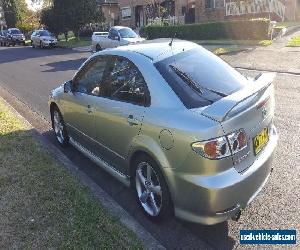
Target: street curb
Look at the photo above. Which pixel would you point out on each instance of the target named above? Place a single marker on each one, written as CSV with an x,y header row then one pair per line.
x,y
148,241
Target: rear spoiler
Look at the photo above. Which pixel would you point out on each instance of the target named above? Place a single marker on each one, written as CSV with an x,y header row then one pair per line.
x,y
221,109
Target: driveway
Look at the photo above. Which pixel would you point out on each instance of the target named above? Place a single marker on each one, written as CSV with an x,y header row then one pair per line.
x,y
276,58
29,74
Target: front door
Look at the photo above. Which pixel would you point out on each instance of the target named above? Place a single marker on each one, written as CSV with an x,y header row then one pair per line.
x,y
79,105
119,114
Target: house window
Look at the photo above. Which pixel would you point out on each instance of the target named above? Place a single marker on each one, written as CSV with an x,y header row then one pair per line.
x,y
126,13
212,4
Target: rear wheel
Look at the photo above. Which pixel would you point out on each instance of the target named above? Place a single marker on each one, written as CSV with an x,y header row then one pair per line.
x,y
152,191
98,48
59,127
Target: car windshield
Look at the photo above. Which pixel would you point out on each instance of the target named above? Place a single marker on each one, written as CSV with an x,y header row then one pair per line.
x,y
45,33
200,78
4,32
16,32
127,33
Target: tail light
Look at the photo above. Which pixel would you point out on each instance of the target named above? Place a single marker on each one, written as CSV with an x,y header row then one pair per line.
x,y
222,147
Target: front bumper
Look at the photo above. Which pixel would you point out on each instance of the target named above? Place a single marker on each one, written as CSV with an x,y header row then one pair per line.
x,y
49,44
216,198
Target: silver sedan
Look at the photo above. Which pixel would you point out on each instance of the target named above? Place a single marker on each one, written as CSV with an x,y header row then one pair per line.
x,y
188,132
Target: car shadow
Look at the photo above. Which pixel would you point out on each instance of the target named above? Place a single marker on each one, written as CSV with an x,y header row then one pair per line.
x,y
64,65
173,233
12,54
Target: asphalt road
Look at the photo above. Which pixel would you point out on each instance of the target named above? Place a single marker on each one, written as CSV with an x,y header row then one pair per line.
x,y
30,74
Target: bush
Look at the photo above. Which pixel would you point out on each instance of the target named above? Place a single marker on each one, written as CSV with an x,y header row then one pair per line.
x,y
254,29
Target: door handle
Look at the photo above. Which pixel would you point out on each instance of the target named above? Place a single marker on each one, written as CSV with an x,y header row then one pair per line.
x,y
132,121
89,109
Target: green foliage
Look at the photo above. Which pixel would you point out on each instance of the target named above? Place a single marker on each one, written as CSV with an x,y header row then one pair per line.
x,y
71,15
15,11
255,29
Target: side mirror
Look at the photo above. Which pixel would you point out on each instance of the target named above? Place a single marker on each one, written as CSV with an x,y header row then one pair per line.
x,y
68,86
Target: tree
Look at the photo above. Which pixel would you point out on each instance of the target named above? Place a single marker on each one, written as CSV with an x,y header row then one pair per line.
x,y
14,11
71,15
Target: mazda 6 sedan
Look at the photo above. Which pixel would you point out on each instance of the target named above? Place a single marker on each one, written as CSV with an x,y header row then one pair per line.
x,y
188,132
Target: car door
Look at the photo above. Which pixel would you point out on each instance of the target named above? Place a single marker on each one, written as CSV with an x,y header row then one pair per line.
x,y
119,113
79,104
113,38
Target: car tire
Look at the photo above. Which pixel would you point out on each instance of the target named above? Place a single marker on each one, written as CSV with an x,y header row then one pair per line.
x,y
23,43
98,48
152,191
14,44
41,45
32,44
59,127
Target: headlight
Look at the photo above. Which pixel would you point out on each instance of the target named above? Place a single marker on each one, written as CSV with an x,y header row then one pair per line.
x,y
222,147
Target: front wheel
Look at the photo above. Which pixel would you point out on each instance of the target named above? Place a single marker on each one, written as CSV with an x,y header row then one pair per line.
x,y
59,127
152,191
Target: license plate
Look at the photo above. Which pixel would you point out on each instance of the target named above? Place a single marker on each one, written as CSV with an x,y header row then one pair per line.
x,y
260,140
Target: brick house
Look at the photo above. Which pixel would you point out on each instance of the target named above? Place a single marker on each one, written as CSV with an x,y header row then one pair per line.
x,y
110,10
136,13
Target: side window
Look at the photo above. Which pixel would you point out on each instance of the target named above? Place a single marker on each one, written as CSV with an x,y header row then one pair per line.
x,y
113,34
89,78
124,82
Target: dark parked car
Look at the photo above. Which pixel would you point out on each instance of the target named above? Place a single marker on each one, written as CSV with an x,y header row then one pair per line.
x,y
16,36
5,40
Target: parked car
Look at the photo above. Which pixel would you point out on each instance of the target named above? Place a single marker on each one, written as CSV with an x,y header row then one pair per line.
x,y
5,40
16,36
117,36
43,39
186,130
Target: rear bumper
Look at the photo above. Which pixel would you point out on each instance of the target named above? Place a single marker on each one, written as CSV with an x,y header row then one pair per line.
x,y
214,199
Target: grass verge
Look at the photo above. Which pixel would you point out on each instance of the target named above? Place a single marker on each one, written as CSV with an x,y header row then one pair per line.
x,y
42,205
223,51
234,42
294,42
74,42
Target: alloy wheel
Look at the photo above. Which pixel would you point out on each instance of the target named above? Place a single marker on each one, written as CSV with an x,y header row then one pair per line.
x,y
58,127
148,189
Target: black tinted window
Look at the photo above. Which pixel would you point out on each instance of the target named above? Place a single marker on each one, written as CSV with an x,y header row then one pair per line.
x,y
124,82
113,34
211,76
89,78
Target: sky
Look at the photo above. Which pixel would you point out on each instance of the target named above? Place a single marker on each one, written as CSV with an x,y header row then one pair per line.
x,y
33,6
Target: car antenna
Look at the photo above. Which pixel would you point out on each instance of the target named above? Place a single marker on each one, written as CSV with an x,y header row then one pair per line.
x,y
170,44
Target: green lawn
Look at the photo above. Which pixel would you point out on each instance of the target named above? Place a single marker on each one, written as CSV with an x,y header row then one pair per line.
x,y
43,206
294,42
74,42
234,42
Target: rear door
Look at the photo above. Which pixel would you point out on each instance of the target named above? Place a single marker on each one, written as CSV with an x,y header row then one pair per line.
x,y
119,113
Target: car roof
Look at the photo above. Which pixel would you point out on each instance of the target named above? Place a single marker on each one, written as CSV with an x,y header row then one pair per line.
x,y
119,27
13,29
159,49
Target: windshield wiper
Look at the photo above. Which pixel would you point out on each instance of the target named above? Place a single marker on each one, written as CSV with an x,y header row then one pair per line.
x,y
193,84
187,79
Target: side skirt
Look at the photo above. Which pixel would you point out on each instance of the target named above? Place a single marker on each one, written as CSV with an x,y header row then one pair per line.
x,y
101,163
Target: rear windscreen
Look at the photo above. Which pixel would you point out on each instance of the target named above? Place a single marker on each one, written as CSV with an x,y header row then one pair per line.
x,y
200,78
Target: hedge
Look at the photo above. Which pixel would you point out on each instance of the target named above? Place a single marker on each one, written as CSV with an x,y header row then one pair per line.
x,y
254,29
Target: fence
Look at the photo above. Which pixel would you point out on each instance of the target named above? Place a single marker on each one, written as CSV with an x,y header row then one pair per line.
x,y
171,20
254,7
